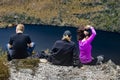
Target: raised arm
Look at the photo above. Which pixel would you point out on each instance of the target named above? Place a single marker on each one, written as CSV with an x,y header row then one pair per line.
x,y
90,39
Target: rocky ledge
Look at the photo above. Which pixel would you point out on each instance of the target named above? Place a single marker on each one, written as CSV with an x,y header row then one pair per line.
x,y
47,71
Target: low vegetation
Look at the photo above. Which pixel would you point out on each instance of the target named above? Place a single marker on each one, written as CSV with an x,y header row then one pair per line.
x,y
29,63
4,69
103,14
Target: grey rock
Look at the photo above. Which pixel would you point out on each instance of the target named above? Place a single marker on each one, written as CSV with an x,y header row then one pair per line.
x,y
47,71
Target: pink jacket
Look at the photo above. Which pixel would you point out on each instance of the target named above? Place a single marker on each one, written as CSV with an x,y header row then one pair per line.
x,y
85,48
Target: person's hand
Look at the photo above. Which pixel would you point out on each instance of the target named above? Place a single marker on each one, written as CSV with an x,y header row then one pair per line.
x,y
77,64
10,46
88,26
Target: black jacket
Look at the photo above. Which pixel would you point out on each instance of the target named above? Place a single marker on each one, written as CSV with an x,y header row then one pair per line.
x,y
64,53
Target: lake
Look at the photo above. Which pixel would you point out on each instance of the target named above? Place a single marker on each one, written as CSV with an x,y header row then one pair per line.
x,y
105,43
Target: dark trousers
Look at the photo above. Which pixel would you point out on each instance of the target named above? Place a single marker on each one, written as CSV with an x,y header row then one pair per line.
x,y
42,55
96,61
93,62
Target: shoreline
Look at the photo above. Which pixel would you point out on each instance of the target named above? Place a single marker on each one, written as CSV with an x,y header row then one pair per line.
x,y
52,25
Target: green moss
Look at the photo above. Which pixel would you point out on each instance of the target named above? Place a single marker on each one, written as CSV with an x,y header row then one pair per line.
x,y
27,63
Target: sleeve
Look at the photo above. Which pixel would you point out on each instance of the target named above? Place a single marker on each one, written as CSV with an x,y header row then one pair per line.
x,y
54,48
76,61
75,53
90,39
11,40
28,39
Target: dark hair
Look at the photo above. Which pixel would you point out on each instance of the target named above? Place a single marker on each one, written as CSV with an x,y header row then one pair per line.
x,y
89,32
80,33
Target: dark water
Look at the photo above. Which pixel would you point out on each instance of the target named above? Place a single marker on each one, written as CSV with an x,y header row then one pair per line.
x,y
105,43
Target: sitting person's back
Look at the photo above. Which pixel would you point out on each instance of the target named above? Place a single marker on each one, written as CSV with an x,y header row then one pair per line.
x,y
20,45
64,51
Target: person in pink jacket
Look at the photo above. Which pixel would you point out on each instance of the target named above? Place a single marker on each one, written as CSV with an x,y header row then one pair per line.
x,y
85,38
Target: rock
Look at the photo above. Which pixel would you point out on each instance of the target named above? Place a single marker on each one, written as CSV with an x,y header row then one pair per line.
x,y
112,64
43,60
47,71
10,25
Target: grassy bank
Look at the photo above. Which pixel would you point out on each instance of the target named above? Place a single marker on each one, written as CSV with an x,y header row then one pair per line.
x,y
103,14
30,63
4,69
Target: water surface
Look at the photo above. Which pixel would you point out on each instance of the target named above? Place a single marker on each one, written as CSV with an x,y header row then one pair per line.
x,y
105,43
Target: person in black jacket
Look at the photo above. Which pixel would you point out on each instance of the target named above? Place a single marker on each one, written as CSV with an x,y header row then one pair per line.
x,y
20,45
64,52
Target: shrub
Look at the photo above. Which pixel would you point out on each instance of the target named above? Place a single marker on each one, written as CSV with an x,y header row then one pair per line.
x,y
4,69
27,63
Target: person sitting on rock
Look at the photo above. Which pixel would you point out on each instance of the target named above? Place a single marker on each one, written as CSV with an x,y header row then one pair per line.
x,y
85,38
20,45
64,52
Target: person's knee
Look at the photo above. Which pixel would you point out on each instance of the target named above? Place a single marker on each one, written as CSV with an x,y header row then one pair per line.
x,y
33,44
7,46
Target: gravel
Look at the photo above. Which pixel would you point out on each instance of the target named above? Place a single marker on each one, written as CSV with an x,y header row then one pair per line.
x,y
47,71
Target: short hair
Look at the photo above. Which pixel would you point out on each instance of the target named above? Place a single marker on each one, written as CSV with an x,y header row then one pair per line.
x,y
20,27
